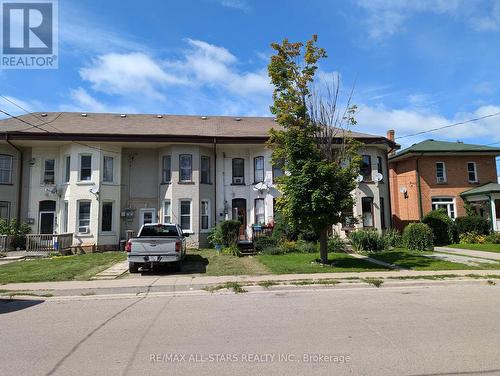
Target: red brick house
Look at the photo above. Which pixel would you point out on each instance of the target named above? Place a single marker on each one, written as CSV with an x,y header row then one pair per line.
x,y
433,174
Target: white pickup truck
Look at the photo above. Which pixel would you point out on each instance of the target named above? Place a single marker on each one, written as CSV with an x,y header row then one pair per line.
x,y
156,244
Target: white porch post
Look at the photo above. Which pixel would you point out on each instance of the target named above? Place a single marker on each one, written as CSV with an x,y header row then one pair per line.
x,y
493,214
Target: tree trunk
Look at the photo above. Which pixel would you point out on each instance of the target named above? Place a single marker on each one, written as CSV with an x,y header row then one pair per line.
x,y
323,245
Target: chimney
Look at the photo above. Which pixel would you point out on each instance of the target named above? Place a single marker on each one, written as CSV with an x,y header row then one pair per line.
x,y
390,134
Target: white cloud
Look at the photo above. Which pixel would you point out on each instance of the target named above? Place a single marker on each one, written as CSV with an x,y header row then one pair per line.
x,y
387,17
235,4
82,101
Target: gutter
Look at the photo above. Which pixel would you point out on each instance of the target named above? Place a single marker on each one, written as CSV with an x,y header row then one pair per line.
x,y
20,186
419,189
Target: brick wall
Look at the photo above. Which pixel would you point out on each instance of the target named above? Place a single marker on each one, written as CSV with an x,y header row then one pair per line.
x,y
403,174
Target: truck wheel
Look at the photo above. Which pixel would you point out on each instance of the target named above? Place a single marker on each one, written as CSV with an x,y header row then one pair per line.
x,y
133,267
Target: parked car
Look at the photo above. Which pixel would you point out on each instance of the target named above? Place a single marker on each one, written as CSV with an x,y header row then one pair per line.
x,y
156,244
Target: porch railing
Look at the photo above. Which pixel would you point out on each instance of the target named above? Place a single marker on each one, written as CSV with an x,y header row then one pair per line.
x,y
48,242
6,243
259,231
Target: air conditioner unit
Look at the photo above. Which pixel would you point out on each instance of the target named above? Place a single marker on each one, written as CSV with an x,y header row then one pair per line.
x,y
441,179
83,230
238,180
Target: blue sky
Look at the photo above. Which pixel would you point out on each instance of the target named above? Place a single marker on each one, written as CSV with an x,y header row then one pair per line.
x,y
415,64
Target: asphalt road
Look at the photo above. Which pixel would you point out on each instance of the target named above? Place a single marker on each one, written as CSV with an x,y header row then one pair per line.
x,y
439,330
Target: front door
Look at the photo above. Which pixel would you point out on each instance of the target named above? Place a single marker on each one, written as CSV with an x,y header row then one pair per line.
x,y
47,222
147,216
240,214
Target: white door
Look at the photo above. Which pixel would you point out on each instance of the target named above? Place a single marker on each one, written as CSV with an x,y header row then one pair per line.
x,y
147,216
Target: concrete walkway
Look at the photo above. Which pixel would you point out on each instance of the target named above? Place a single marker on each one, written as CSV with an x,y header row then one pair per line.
x,y
113,272
470,252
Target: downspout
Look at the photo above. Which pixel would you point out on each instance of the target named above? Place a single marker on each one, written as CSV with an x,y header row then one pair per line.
x,y
215,180
419,188
20,187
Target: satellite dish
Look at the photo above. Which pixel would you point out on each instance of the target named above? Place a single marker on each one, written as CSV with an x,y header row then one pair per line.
x,y
260,187
94,190
288,173
402,190
378,177
359,178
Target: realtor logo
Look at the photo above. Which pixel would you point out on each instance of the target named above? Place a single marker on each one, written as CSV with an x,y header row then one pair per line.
x,y
29,34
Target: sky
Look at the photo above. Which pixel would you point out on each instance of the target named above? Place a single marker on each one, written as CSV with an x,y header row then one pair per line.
x,y
413,65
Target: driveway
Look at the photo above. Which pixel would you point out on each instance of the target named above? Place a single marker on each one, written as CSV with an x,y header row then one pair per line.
x,y
470,252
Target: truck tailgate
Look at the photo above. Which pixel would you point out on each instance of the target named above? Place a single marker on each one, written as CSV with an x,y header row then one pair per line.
x,y
153,246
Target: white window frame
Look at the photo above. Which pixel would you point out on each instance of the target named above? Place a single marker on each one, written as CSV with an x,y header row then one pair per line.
x,y
44,171
259,199
147,210
67,168
167,214
445,179
163,169
78,202
255,169
104,169
112,216
11,158
80,156
190,229
207,214
448,201
476,180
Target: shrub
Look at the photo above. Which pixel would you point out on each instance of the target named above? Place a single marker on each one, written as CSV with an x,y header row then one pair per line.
x,y
306,247
264,242
472,224
232,250
18,230
288,246
230,231
214,236
472,238
336,244
418,237
392,238
494,238
366,241
441,225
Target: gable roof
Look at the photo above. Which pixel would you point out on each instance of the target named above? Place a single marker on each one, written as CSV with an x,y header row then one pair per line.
x,y
148,127
482,190
444,147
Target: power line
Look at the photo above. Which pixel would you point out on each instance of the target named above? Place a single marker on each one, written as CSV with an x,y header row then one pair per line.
x,y
450,125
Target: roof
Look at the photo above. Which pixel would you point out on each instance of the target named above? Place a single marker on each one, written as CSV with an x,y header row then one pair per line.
x,y
482,190
444,147
147,127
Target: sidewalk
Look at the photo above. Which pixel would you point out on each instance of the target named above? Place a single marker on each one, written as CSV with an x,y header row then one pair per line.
x,y
470,252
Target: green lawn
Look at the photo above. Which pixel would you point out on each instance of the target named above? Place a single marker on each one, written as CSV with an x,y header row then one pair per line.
x,y
487,247
64,268
305,263
416,261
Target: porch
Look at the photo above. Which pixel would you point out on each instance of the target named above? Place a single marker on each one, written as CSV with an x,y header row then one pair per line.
x,y
247,246
486,202
38,244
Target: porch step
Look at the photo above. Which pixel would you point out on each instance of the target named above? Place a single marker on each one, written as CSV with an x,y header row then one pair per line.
x,y
246,247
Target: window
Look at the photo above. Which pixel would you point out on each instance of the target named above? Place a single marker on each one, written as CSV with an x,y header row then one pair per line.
x,y
238,171
108,169
107,217
5,169
366,168
65,217
5,210
167,211
83,215
166,168
185,215
380,169
446,203
367,209
258,169
260,216
67,168
440,172
382,213
472,172
186,167
205,215
85,167
205,170
49,171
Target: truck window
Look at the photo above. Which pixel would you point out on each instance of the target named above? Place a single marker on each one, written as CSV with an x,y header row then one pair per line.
x,y
159,230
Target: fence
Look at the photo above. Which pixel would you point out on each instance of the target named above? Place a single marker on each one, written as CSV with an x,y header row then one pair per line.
x,y
48,242
6,243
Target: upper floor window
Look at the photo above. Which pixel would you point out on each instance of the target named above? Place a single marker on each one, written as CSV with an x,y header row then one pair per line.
x,y
108,169
205,170
440,172
49,171
185,167
5,210
366,167
166,169
380,168
5,169
472,172
258,169
238,171
67,168
85,167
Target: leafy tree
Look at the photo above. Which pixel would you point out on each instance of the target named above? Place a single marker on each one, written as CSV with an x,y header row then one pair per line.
x,y
313,144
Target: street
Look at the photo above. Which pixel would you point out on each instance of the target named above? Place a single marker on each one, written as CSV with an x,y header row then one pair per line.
x,y
437,330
